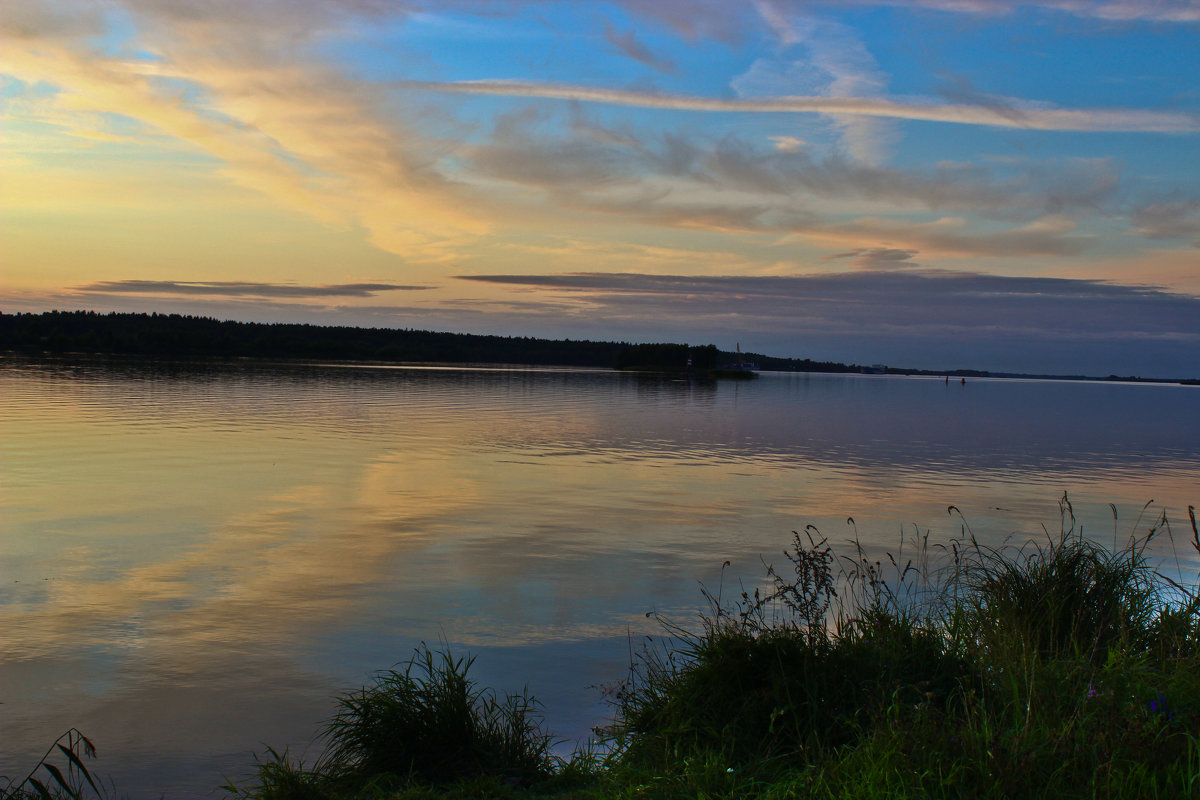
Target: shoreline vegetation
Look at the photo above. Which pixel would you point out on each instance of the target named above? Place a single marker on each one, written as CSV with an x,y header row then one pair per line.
x,y
180,337
1061,668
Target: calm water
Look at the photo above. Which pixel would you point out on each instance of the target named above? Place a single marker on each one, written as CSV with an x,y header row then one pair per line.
x,y
194,560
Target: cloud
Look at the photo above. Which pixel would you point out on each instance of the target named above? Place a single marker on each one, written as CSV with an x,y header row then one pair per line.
x,y
877,258
952,236
1004,191
788,144
835,51
1160,10
894,303
1120,10
695,19
630,45
684,180
911,300
958,89
1169,220
890,296
243,289
1173,267
244,84
1020,116
940,237
948,236
516,152
716,18
584,126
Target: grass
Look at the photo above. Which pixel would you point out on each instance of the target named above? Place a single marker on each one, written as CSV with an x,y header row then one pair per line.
x,y
1060,669
427,724
60,773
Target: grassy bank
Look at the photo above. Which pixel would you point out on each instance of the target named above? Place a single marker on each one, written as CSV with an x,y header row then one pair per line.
x,y
1061,669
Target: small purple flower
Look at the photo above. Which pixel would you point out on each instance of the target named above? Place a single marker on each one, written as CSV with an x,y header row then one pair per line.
x,y
1159,706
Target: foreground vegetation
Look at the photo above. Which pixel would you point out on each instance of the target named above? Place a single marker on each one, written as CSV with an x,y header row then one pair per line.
x,y
1061,669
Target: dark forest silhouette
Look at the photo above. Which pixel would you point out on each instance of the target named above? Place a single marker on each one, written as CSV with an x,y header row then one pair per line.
x,y
176,336
179,336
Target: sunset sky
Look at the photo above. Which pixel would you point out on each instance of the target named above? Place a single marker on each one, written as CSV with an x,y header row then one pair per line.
x,y
931,183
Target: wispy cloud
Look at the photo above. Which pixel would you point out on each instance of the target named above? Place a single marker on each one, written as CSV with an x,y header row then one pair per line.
x,y
953,236
1019,115
877,257
1178,219
835,51
713,17
243,289
1122,10
242,83
685,181
629,44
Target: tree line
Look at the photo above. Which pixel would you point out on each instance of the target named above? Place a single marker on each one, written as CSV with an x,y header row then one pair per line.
x,y
191,337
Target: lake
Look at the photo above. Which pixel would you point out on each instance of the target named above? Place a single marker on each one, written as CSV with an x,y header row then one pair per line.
x,y
197,559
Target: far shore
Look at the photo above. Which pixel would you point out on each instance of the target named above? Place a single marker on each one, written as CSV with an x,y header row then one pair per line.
x,y
177,337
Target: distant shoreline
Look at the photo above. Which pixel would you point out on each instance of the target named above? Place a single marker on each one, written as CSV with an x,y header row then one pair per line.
x,y
186,337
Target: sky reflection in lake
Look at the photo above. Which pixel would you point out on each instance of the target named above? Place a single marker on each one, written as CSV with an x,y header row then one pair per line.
x,y
196,559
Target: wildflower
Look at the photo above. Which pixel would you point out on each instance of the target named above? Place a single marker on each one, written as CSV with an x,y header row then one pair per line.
x,y
1159,706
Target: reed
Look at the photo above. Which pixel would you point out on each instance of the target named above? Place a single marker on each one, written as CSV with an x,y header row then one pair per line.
x,y
60,773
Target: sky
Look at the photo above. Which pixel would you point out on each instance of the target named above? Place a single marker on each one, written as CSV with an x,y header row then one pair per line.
x,y
932,183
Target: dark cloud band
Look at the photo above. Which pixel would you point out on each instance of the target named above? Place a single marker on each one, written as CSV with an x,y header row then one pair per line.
x,y
911,317
879,301
244,289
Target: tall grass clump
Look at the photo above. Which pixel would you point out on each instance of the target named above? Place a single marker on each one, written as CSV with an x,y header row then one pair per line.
x,y
428,723
1084,666
769,685
433,722
1059,668
1067,598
